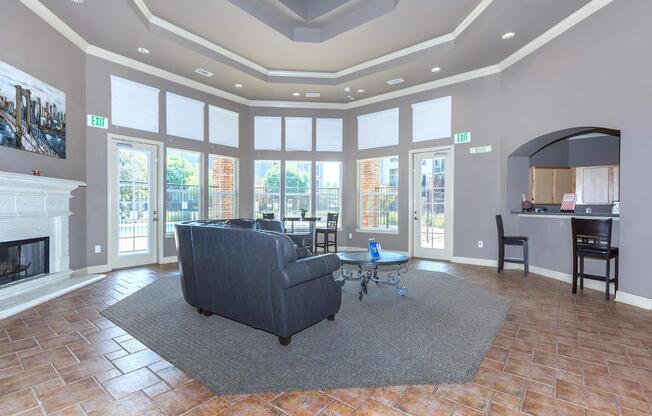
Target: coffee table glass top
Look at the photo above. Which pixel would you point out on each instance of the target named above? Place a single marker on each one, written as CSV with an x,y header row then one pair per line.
x,y
363,257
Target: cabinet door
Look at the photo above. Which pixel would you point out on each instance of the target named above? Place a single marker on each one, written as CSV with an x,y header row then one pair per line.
x,y
595,185
543,184
564,183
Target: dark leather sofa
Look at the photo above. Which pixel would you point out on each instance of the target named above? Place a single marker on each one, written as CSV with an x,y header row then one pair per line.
x,y
253,276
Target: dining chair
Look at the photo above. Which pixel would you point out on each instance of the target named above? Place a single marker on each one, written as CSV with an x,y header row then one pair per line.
x,y
592,240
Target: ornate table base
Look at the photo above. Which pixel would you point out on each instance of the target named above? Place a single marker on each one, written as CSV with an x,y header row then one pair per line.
x,y
370,273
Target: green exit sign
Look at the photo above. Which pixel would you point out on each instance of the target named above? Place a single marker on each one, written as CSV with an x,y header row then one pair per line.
x,y
463,137
97,121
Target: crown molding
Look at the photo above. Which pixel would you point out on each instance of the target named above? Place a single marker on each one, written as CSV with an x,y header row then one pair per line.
x,y
43,12
270,74
567,23
59,25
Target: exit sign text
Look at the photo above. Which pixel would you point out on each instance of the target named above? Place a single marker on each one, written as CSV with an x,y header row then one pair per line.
x,y
97,121
463,137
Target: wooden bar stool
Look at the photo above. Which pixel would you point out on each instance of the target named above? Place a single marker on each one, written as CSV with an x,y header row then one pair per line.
x,y
592,239
511,240
331,229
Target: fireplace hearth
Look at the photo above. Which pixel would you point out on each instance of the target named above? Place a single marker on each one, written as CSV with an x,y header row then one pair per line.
x,y
23,259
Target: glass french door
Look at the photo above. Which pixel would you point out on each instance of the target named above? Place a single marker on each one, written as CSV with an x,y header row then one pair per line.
x,y
134,217
432,216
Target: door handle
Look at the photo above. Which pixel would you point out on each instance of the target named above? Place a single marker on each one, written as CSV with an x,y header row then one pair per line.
x,y
154,216
416,218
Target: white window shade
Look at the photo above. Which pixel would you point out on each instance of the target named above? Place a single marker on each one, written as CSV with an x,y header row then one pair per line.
x,y
185,117
267,133
329,134
431,119
298,133
134,105
378,129
223,126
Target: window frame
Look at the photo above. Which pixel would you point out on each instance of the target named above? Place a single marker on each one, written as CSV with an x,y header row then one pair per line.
x,y
359,227
311,211
201,185
323,220
236,183
281,185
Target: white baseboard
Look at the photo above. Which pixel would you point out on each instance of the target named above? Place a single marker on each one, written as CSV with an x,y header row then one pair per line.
x,y
100,268
634,300
623,297
168,260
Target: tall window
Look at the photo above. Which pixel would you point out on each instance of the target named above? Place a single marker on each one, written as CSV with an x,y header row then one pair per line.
x,y
222,187
298,193
378,194
328,190
267,187
182,191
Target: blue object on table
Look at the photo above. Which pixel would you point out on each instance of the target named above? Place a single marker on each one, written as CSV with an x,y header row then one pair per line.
x,y
375,251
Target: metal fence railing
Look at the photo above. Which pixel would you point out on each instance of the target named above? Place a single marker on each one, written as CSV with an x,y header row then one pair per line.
x,y
379,208
182,204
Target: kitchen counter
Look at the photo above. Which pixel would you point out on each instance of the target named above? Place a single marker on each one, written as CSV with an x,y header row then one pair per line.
x,y
558,214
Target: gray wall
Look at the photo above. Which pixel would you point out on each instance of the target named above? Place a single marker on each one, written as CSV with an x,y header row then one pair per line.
x,y
98,102
590,151
33,46
595,74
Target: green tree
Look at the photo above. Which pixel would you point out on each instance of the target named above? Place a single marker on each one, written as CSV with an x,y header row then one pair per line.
x,y
180,171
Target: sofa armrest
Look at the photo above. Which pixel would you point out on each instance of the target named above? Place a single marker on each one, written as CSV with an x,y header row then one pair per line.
x,y
307,269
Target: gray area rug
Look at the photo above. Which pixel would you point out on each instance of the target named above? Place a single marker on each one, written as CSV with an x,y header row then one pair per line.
x,y
438,333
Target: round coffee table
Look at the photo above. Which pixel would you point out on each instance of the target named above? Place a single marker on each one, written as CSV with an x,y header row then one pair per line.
x,y
368,269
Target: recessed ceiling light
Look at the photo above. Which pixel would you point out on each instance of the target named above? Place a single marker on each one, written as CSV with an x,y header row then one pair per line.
x,y
508,35
395,81
435,69
296,94
204,72
77,1
238,85
313,94
361,90
350,97
347,89
144,51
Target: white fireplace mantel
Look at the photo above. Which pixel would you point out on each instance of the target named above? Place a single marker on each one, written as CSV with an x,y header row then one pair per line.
x,y
34,207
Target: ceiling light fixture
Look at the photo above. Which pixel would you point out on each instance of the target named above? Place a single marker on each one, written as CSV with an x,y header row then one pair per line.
x,y
361,90
395,81
347,89
144,51
238,85
350,97
508,35
77,1
435,69
296,94
313,95
204,72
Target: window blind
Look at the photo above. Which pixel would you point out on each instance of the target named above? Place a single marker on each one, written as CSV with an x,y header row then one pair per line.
x,y
184,117
267,133
378,129
298,133
223,126
329,134
431,119
134,105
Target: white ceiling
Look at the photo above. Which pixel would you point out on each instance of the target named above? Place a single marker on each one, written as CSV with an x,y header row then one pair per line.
x,y
239,48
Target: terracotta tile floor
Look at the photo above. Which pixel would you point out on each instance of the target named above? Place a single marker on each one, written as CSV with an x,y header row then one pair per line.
x,y
556,354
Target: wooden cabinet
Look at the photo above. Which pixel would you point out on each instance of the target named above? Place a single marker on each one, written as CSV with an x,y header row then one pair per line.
x,y
548,185
598,185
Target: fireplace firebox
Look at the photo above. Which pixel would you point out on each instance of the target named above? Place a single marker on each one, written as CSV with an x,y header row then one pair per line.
x,y
23,259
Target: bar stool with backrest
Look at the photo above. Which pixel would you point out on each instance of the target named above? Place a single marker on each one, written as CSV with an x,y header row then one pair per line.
x,y
592,240
331,229
511,240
